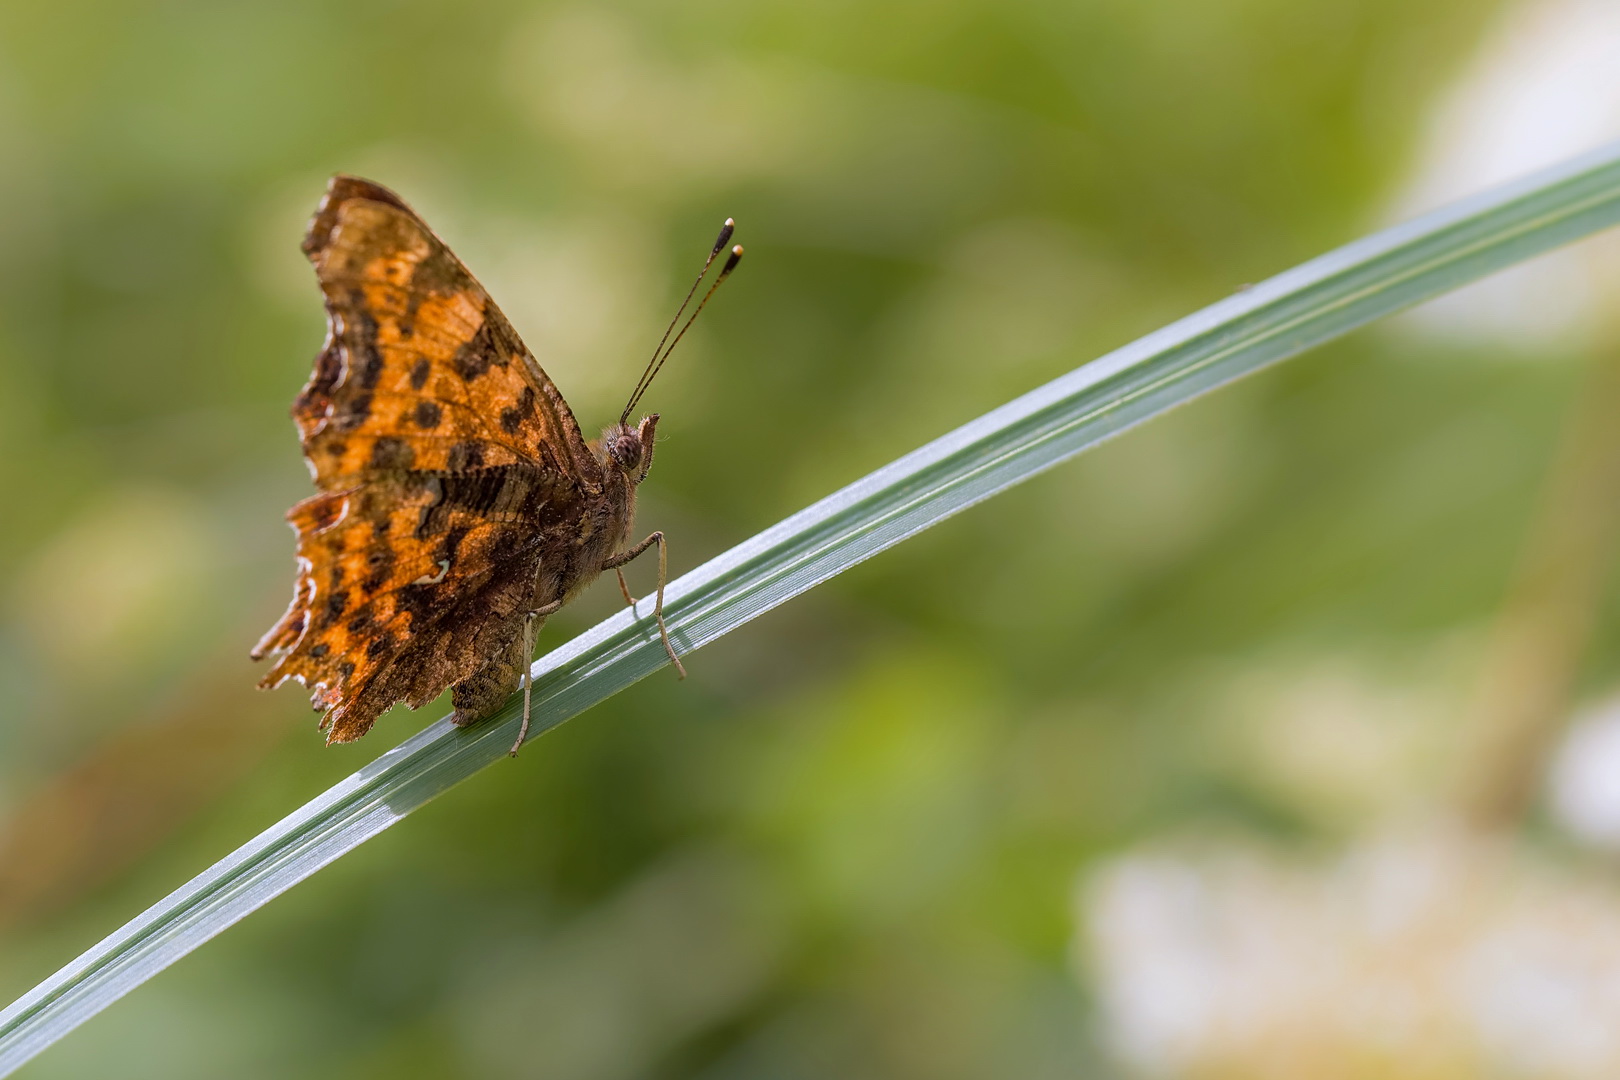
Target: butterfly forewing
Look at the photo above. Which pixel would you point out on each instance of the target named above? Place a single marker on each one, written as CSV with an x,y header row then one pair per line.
x,y
420,370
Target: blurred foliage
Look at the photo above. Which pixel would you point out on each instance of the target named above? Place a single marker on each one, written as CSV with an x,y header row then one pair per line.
x,y
846,846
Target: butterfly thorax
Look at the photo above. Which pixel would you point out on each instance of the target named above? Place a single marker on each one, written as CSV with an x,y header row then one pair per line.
x,y
571,557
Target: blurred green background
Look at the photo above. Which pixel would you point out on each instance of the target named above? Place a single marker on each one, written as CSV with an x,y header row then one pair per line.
x,y
1038,794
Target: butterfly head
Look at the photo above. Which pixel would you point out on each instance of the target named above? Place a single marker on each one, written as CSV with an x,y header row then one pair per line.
x,y
631,449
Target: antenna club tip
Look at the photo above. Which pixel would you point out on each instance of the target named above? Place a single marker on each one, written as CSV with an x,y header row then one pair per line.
x,y
720,241
737,251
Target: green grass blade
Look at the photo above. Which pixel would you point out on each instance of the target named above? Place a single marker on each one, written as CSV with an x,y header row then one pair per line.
x,y
1282,317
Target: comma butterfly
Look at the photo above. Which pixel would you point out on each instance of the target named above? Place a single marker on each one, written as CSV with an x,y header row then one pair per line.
x,y
459,502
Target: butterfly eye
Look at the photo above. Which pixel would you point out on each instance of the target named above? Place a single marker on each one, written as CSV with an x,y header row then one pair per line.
x,y
627,451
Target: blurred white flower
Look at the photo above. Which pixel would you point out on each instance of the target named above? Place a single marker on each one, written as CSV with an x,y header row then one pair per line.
x,y
1429,956
1544,87
1584,785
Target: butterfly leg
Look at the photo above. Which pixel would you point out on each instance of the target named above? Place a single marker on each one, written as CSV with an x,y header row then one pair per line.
x,y
615,561
528,680
538,614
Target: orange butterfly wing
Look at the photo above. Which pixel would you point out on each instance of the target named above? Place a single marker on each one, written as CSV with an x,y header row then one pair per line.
x,y
420,370
438,444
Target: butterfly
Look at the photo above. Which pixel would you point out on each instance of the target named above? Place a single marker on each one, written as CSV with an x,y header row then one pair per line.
x,y
459,502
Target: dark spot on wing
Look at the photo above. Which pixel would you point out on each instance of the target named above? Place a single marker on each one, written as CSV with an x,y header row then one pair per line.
x,y
345,668
336,604
352,413
513,416
419,373
392,454
361,332
381,645
428,414
319,649
380,560
475,357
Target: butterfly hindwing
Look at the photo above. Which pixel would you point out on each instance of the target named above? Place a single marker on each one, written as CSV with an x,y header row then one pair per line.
x,y
391,570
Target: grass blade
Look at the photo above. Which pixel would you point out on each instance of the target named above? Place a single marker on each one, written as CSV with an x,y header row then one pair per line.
x,y
1282,317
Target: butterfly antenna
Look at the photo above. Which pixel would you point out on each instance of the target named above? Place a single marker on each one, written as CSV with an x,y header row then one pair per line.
x,y
725,271
655,363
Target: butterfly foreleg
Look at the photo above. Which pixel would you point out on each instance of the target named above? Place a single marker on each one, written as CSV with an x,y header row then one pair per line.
x,y
613,562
